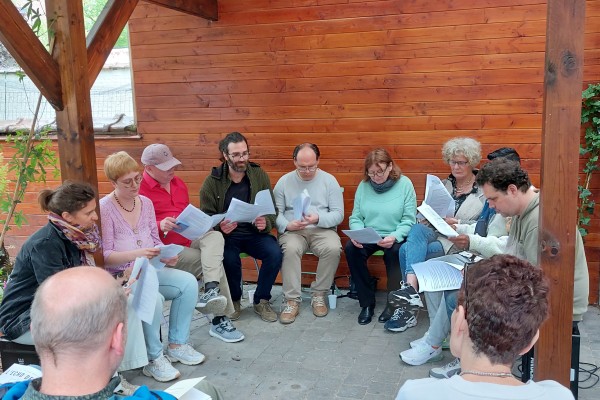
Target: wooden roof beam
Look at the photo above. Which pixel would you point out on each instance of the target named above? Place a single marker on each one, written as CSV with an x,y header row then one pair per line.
x,y
207,9
105,32
30,54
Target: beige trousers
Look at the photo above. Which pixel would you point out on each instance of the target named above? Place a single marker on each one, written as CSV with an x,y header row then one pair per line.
x,y
205,258
323,243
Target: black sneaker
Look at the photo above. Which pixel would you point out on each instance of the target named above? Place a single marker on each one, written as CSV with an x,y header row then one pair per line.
x,y
405,295
401,320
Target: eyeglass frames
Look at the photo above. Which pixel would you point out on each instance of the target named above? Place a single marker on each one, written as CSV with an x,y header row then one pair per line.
x,y
131,182
239,156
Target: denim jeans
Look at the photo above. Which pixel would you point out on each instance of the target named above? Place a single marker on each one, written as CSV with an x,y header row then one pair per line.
x,y
182,288
262,246
421,244
357,263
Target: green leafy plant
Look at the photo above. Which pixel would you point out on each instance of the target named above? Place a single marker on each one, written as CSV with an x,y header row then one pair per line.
x,y
32,156
590,120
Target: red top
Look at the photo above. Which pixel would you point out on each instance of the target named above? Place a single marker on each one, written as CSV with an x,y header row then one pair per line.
x,y
167,204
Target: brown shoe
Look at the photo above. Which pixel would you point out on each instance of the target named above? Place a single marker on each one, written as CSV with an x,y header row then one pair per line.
x,y
318,305
237,311
265,311
290,312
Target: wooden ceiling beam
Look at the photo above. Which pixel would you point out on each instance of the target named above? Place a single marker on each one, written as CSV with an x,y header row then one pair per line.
x,y
30,54
105,32
207,9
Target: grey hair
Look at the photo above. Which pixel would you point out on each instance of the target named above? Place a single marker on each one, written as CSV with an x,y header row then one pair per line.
x,y
462,146
81,327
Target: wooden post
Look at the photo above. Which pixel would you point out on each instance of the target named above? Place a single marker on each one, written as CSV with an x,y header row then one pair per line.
x,y
560,166
74,122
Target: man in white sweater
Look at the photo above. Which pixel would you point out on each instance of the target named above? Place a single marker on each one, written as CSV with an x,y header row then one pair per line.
x,y
309,227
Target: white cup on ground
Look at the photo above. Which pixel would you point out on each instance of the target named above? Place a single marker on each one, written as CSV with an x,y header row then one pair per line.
x,y
332,301
251,296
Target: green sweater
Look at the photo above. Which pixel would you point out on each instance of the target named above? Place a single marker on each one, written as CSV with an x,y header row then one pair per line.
x,y
391,213
212,192
523,242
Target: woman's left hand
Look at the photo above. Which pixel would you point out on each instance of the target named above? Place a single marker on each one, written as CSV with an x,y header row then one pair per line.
x,y
171,261
387,242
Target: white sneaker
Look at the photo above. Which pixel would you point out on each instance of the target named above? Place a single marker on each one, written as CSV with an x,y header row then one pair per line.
x,y
125,388
421,354
185,354
447,371
420,340
161,370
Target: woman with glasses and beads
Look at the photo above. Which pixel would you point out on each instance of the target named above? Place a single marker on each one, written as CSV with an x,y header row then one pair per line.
x,y
385,200
502,303
423,242
129,231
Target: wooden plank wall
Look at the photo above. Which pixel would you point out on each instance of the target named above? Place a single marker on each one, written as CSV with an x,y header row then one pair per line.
x,y
349,75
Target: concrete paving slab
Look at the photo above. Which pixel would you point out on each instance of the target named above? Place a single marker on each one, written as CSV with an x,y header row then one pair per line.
x,y
325,358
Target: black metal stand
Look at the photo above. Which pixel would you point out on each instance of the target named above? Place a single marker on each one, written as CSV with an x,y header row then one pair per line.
x,y
527,362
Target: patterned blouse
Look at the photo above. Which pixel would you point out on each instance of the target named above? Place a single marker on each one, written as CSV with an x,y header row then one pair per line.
x,y
118,235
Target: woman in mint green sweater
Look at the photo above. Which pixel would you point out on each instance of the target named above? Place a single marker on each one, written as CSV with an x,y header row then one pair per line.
x,y
385,200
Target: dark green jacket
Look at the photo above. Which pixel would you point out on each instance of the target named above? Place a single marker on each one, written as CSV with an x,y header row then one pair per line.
x,y
212,193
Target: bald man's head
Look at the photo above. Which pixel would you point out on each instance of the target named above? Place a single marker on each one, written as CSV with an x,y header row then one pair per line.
x,y
76,310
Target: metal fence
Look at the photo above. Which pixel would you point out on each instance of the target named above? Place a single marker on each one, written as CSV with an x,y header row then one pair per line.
x,y
18,100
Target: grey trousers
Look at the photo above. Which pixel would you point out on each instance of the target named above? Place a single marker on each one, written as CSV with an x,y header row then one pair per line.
x,y
205,258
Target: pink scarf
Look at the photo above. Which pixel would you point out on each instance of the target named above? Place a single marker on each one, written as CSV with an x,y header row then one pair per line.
x,y
86,240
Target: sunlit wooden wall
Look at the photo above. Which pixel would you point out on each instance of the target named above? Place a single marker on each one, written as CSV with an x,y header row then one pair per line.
x,y
349,75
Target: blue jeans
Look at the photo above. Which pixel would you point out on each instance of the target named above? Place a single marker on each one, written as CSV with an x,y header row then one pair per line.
x,y
262,246
421,244
182,288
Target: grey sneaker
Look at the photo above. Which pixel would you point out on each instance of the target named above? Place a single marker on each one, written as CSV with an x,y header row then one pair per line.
x,y
161,370
211,302
226,332
447,371
265,311
125,388
237,311
185,354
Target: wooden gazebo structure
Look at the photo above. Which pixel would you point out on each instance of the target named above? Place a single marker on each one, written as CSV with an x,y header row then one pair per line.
x,y
65,77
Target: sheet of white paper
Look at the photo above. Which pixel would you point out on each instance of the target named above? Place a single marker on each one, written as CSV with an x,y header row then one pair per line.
x,y
145,290
18,373
438,198
301,205
437,221
434,275
185,390
240,211
166,251
365,235
194,223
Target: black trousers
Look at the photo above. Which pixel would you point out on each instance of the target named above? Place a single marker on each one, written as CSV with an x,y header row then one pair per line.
x,y
357,262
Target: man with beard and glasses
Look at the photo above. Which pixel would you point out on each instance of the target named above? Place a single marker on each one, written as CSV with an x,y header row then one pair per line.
x,y
239,178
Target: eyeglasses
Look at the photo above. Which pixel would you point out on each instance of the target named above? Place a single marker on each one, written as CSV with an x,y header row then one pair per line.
x,y
379,173
460,164
307,169
239,156
472,259
131,182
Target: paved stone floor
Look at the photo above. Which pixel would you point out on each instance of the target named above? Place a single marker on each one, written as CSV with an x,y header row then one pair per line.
x,y
324,358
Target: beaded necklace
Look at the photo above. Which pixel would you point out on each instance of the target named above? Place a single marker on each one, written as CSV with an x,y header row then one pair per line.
x,y
121,205
494,374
